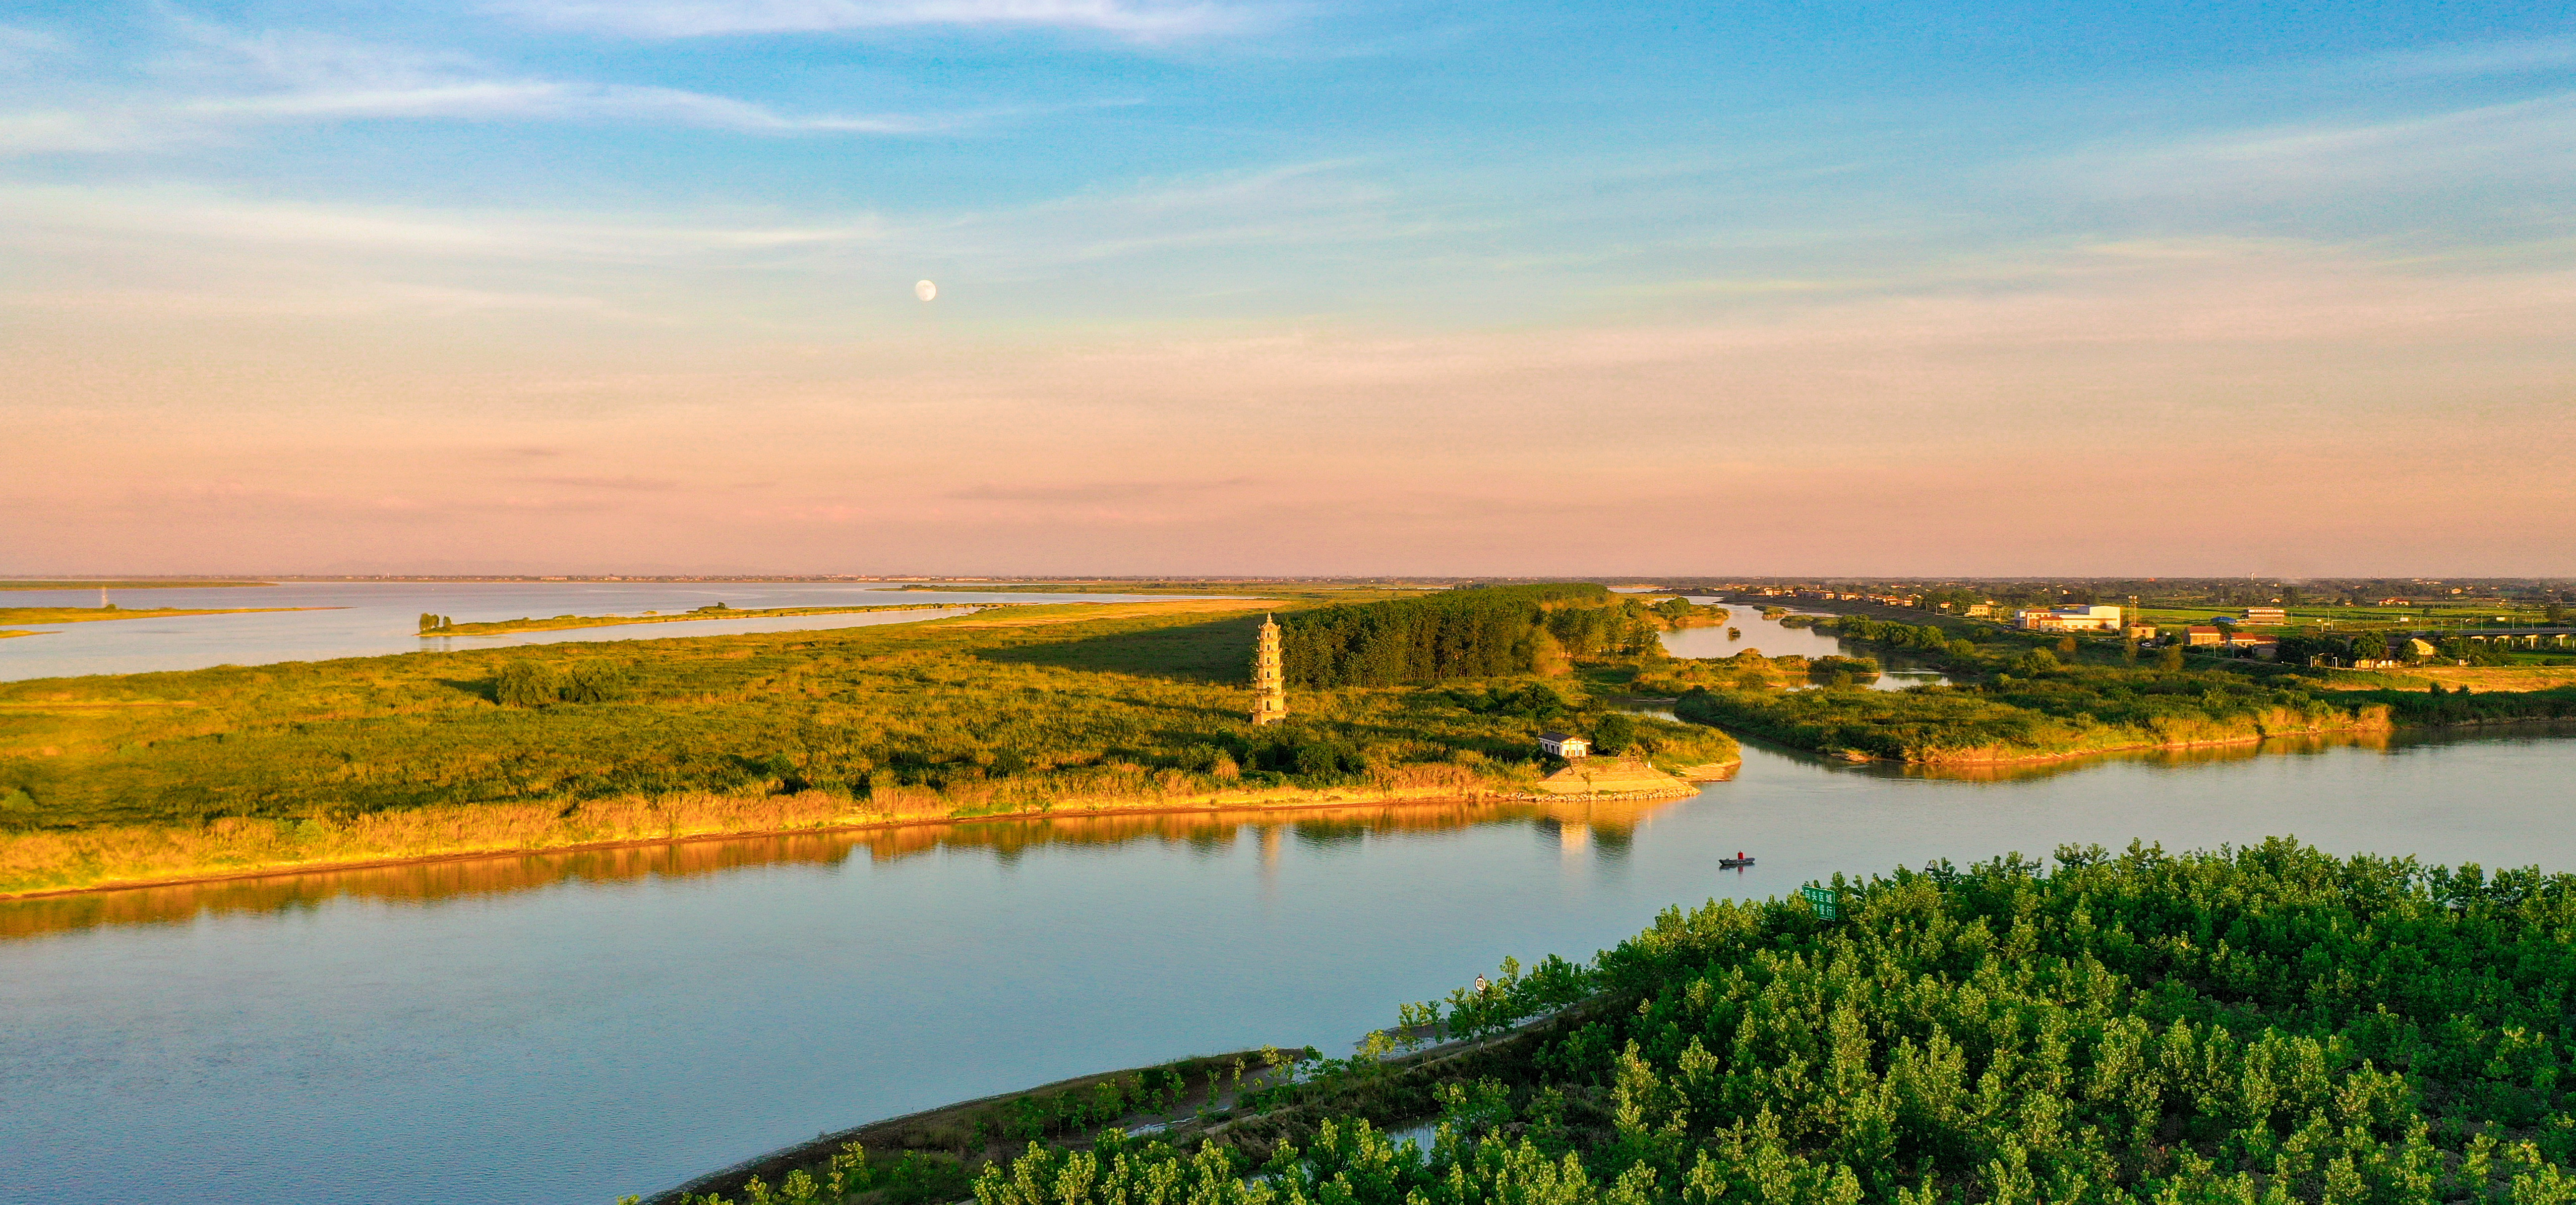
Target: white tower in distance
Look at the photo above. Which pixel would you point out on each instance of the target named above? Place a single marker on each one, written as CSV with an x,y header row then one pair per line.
x,y
1269,684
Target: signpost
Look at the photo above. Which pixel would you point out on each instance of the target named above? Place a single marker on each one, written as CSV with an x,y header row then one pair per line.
x,y
1822,900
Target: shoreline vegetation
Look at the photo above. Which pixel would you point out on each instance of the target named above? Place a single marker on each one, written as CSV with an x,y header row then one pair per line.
x,y
713,611
1048,709
2265,1023
2027,699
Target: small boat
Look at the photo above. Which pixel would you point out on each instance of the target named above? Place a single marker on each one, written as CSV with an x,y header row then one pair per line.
x,y
1738,862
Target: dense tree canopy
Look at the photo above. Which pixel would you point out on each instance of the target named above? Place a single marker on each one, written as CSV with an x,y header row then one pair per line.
x,y
1468,633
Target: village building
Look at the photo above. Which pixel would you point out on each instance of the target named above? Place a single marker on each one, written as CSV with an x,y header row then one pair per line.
x,y
2266,615
1565,745
2201,634
2069,619
1269,679
2260,646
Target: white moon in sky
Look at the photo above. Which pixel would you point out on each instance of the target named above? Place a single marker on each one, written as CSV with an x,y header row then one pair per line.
x,y
924,290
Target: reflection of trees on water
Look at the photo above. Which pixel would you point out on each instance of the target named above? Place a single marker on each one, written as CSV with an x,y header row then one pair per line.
x,y
2306,744
1609,828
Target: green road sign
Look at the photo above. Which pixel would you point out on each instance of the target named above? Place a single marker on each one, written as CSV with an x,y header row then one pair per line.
x,y
1822,899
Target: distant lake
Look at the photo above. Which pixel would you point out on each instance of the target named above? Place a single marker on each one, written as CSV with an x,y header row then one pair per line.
x,y
375,618
558,1029
1771,639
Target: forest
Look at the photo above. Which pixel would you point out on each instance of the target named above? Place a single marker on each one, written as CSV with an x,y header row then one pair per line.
x,y
2261,1024
1477,632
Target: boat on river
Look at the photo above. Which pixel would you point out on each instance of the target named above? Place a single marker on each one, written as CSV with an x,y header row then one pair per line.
x,y
1738,862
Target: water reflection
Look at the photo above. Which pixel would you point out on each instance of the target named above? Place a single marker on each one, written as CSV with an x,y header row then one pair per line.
x,y
1769,637
1606,826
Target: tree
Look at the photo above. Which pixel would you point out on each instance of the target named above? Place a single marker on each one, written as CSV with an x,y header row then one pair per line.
x,y
2170,660
524,684
1614,733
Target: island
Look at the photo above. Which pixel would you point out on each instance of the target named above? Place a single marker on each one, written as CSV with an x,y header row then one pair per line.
x,y
1042,710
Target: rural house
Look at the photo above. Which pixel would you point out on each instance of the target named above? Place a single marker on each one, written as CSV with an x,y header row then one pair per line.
x,y
1559,744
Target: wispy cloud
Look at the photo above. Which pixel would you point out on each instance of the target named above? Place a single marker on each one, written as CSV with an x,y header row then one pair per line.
x,y
21,47
2517,139
224,79
2474,59
1147,20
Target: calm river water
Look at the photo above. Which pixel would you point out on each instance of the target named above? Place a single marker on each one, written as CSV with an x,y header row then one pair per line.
x,y
566,1028
366,619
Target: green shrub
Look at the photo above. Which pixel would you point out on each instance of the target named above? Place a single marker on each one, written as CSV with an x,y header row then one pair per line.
x,y
525,684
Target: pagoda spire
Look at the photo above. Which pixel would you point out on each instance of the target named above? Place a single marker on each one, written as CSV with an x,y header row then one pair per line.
x,y
1269,682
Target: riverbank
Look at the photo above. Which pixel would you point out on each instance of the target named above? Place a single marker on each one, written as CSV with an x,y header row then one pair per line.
x,y
241,850
941,1147
2072,714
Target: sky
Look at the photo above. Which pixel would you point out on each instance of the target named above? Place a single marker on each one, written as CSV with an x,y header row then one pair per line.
x,y
1287,287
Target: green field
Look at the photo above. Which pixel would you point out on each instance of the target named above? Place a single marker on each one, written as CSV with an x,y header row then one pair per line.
x,y
1030,708
2246,1027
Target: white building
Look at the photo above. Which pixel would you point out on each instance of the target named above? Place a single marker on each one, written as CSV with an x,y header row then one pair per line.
x,y
2100,618
1559,744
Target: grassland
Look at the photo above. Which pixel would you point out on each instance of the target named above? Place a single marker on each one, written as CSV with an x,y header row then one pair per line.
x,y
1040,709
718,611
95,614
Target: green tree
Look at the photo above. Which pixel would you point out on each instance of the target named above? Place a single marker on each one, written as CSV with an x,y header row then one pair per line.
x,y
1614,733
2170,660
525,684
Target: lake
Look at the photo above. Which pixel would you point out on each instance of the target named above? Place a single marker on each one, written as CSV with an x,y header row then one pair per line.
x,y
367,619
566,1028
1771,638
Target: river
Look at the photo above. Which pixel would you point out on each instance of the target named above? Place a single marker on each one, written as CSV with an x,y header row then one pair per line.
x,y
1752,632
566,1028
367,619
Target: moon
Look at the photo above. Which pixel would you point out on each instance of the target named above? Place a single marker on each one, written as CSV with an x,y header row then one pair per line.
x,y
924,290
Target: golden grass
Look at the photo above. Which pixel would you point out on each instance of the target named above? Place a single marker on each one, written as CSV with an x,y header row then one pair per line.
x,y
2475,677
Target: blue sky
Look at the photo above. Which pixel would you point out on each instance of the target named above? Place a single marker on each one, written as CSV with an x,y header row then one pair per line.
x,y
1259,212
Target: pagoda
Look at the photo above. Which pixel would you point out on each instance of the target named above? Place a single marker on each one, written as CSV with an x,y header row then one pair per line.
x,y
1269,684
